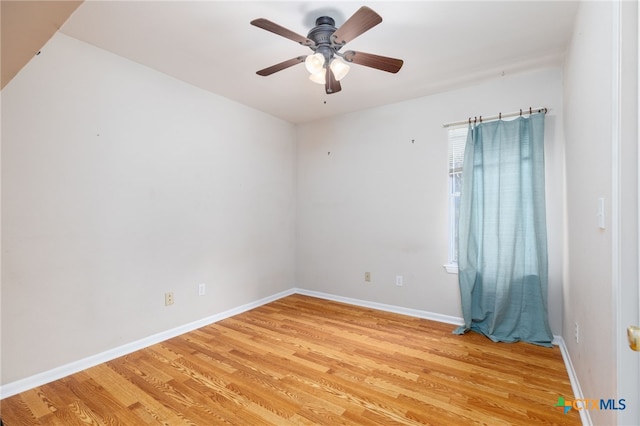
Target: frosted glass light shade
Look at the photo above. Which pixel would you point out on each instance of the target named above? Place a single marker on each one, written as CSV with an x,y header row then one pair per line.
x,y
339,68
314,63
319,77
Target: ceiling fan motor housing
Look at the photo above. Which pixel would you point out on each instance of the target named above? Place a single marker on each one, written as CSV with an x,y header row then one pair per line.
x,y
321,33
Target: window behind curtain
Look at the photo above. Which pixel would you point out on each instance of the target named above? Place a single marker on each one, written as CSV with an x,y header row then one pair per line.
x,y
457,140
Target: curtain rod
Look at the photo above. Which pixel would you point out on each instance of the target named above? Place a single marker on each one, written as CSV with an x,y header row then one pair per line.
x,y
500,116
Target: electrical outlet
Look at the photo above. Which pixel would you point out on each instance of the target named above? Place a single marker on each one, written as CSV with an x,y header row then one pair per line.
x,y
201,289
399,281
367,277
577,333
168,298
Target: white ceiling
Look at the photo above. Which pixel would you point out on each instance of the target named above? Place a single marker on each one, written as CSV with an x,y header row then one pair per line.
x,y
444,44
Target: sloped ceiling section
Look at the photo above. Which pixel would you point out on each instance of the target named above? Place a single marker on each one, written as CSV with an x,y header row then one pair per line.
x,y
26,27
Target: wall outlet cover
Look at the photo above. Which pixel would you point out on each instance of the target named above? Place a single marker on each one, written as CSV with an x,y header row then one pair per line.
x,y
168,299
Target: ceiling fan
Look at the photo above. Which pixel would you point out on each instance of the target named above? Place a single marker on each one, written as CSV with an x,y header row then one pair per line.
x,y
327,64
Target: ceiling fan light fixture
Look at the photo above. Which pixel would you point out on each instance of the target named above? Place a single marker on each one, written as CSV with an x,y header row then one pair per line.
x,y
318,77
314,63
340,68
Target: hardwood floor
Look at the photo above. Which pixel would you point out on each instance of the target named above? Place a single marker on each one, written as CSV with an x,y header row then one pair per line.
x,y
306,361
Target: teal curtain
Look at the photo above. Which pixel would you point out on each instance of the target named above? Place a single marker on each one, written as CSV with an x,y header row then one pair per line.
x,y
502,233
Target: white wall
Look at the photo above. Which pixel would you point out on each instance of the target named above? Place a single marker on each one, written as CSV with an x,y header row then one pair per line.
x,y
601,289
378,201
120,183
587,92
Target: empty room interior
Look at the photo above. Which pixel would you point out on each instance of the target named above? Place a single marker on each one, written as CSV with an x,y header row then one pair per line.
x,y
170,185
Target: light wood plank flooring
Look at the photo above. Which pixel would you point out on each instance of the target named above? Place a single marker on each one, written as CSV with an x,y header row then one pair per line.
x,y
306,361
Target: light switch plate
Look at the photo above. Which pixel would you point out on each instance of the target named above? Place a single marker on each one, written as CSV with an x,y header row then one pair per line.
x,y
600,213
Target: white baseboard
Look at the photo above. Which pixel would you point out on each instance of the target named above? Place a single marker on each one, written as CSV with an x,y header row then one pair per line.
x,y
573,378
384,307
57,373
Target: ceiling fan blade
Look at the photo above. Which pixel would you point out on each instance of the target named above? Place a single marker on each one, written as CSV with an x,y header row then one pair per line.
x,y
265,24
383,63
331,85
282,65
363,20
